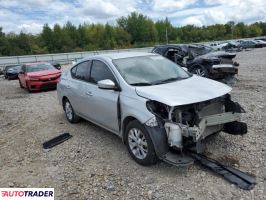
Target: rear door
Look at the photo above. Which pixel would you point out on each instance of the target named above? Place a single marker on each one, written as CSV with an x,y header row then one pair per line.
x,y
78,87
102,104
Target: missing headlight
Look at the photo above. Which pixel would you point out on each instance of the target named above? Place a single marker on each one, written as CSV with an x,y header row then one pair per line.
x,y
158,109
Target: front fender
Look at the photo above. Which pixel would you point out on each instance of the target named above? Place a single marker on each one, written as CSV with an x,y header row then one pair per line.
x,y
159,139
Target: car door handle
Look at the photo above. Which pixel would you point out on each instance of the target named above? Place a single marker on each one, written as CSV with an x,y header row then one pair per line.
x,y
88,93
68,87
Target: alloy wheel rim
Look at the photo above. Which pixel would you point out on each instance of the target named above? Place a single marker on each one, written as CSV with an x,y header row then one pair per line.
x,y
69,111
200,72
137,143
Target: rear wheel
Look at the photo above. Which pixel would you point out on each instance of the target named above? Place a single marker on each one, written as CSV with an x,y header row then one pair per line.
x,y
70,113
20,83
139,144
200,71
28,87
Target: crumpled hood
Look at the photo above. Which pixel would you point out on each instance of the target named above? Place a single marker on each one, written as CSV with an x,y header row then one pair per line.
x,y
187,91
218,54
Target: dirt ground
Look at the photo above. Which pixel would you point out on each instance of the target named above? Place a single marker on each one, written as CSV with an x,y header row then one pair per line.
x,y
94,164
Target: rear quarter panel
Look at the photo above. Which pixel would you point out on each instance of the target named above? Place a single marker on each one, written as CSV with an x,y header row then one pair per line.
x,y
62,87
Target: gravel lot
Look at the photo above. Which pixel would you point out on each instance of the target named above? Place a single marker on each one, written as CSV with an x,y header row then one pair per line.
x,y
94,164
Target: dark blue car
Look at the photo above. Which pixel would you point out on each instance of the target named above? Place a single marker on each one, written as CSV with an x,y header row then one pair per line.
x,y
11,72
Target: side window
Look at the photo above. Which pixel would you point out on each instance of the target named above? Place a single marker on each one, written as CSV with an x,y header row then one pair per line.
x,y
73,71
82,71
100,71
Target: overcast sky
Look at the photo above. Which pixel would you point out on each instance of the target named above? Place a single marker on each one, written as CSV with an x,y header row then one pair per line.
x,y
30,15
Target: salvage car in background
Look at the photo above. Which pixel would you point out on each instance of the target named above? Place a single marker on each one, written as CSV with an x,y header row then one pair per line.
x,y
1,70
201,60
231,46
16,68
38,76
155,106
245,44
261,42
218,47
12,72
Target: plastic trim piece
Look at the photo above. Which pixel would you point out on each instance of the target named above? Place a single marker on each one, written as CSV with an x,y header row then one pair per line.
x,y
57,140
235,176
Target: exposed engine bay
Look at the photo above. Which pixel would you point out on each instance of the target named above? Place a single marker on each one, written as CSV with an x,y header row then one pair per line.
x,y
191,124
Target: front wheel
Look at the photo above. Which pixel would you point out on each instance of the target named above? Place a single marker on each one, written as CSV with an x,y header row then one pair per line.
x,y
28,87
70,113
20,83
139,144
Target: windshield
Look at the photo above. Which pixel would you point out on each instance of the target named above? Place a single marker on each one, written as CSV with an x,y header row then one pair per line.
x,y
149,70
39,67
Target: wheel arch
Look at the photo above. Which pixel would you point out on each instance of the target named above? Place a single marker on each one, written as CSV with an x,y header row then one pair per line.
x,y
126,121
64,98
157,135
202,66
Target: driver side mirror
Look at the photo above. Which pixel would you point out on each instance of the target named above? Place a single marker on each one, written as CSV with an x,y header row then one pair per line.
x,y
21,72
106,84
57,66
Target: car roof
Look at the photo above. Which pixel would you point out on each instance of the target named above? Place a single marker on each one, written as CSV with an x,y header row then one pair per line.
x,y
114,56
182,46
169,45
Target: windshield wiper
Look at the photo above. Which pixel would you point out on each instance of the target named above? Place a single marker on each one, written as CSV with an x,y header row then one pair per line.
x,y
141,84
166,81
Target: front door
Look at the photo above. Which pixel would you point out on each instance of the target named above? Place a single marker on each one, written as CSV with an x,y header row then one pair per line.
x,y
102,104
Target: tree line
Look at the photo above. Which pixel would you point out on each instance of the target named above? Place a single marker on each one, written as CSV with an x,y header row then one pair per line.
x,y
134,30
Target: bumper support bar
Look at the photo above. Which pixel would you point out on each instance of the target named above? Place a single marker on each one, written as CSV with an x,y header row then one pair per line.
x,y
235,176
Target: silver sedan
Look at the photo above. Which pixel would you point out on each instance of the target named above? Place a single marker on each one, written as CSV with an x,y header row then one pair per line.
x,y
154,105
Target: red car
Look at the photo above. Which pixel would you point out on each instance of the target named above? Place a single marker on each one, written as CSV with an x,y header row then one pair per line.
x,y
38,76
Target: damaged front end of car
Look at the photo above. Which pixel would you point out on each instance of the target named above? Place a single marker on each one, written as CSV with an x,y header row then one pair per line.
x,y
186,126
223,68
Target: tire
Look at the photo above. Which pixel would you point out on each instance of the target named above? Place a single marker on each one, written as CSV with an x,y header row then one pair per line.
x,y
70,113
20,83
139,144
200,71
28,88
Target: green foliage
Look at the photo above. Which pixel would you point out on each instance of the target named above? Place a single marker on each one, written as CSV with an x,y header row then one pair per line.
x,y
140,27
134,30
